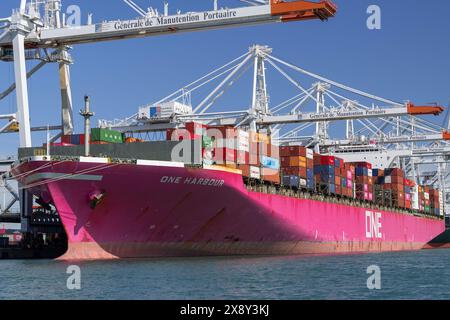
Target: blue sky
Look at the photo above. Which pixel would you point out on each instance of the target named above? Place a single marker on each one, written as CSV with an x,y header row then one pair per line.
x,y
406,60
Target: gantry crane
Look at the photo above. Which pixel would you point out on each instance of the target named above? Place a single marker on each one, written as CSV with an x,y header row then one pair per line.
x,y
375,114
29,34
37,30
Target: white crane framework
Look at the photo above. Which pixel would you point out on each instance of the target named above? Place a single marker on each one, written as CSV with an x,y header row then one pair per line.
x,y
379,130
39,24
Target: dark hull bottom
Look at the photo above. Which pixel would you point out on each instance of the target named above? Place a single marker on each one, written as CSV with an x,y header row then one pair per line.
x,y
441,241
95,251
25,254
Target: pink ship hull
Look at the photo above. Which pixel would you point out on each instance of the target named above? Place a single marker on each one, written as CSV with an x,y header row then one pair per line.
x,y
154,211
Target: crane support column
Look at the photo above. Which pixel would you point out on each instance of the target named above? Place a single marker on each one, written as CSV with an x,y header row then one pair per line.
x,y
20,72
66,96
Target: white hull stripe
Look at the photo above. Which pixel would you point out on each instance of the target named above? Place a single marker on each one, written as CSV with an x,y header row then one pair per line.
x,y
62,176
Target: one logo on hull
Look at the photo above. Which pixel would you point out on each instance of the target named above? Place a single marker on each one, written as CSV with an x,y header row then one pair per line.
x,y
373,225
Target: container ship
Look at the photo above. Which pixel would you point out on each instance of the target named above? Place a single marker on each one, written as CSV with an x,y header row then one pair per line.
x,y
221,191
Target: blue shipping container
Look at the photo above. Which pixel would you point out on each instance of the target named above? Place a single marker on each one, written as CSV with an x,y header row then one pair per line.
x,y
325,179
291,181
310,184
270,163
361,172
155,112
324,170
332,188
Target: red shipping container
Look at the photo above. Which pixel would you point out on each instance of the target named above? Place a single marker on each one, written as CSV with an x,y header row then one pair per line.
x,y
362,165
293,151
362,180
394,187
327,160
224,155
285,162
66,139
196,129
337,172
397,172
180,134
295,171
409,183
408,204
222,132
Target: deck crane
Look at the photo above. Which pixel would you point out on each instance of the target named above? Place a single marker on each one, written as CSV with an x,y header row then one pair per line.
x,y
27,30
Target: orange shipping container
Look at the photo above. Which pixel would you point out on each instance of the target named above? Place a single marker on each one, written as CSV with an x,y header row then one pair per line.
x,y
297,162
337,181
270,175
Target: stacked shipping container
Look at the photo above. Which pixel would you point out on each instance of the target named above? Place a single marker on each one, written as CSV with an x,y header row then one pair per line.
x,y
363,181
297,167
330,174
301,168
348,182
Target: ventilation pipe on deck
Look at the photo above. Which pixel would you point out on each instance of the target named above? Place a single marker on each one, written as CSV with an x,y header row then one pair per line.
x,y
87,114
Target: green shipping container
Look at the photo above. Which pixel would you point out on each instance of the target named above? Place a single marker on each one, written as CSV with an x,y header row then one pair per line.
x,y
207,142
106,135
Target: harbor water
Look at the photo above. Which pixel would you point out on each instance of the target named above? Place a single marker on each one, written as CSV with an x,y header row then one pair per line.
x,y
403,275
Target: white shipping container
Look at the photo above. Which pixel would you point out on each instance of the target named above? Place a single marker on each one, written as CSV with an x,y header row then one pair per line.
x,y
309,154
169,109
243,142
369,172
255,172
388,179
414,198
144,113
302,183
426,195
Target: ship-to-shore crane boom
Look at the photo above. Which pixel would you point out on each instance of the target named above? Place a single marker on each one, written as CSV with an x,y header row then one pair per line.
x,y
26,29
152,25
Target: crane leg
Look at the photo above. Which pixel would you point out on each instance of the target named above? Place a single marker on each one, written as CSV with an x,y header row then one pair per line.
x,y
23,112
66,97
